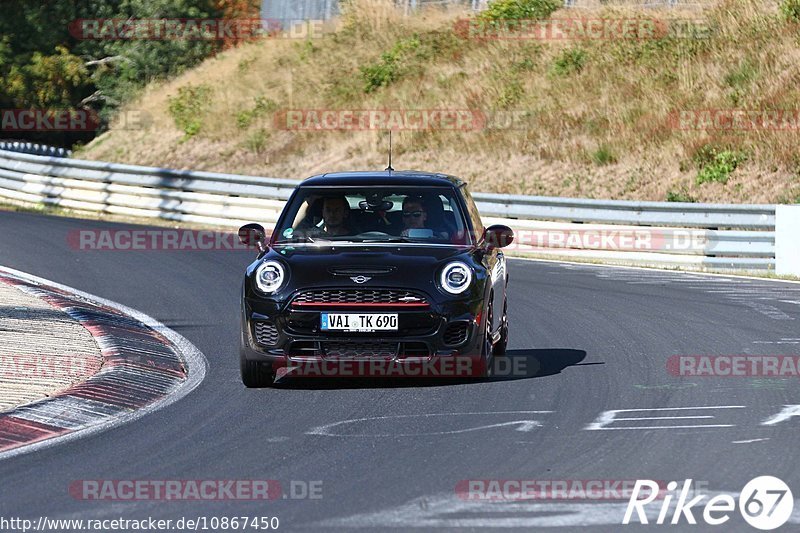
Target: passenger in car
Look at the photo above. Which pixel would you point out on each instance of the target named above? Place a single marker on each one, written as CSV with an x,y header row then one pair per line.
x,y
415,217
438,220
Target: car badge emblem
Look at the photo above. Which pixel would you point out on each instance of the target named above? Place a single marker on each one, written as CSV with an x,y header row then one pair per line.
x,y
360,279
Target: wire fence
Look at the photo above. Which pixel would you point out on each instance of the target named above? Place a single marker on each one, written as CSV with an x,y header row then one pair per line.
x,y
639,3
326,9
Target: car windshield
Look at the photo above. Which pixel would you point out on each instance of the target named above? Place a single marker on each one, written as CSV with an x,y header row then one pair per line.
x,y
367,214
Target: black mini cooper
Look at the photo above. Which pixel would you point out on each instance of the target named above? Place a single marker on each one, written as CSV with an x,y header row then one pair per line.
x,y
368,273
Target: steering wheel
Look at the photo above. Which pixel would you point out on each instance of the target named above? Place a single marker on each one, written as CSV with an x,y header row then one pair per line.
x,y
372,234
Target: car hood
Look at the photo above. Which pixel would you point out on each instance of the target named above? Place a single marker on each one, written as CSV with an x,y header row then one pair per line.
x,y
412,266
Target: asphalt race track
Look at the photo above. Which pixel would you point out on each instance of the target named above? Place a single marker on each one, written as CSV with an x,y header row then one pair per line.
x,y
390,454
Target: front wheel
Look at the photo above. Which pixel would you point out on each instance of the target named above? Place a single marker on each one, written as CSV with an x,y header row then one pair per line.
x,y
256,374
487,359
502,343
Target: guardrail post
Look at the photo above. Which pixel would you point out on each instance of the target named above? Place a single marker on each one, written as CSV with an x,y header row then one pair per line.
x,y
787,240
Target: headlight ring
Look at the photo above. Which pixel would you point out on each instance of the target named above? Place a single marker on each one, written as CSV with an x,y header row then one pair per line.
x,y
270,276
456,277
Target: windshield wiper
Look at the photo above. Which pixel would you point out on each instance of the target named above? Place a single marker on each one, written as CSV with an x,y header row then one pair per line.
x,y
388,239
301,238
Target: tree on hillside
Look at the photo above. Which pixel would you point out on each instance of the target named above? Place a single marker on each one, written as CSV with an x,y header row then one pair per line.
x,y
46,62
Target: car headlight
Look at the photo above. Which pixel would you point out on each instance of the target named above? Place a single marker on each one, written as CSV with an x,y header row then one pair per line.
x,y
270,276
456,277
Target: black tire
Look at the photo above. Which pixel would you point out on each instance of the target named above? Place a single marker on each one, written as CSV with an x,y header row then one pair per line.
x,y
487,357
256,375
502,344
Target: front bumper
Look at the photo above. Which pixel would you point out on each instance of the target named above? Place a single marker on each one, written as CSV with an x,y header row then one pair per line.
x,y
282,335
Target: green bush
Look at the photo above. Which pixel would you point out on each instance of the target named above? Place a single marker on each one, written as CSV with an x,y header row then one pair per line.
x,y
511,92
680,196
742,75
603,156
790,9
188,107
717,166
391,65
262,106
519,9
380,74
704,155
740,78
570,60
257,141
523,65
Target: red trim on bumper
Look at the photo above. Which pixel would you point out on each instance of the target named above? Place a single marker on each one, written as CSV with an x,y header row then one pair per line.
x,y
338,304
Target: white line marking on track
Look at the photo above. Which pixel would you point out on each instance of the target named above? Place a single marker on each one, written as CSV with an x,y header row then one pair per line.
x,y
607,418
670,427
788,412
665,418
524,425
748,441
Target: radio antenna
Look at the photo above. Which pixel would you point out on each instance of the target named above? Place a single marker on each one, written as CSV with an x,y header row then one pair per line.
x,y
389,168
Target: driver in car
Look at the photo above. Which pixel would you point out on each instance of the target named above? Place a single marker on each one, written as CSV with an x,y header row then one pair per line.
x,y
335,216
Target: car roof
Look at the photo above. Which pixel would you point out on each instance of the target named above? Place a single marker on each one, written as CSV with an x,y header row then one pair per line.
x,y
370,177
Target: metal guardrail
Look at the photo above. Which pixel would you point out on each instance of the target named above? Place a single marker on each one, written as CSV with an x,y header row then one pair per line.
x,y
718,235
33,148
677,214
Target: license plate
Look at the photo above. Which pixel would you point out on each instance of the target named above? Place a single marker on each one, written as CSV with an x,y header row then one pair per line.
x,y
359,321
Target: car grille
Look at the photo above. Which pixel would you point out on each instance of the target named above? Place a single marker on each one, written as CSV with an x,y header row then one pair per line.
x,y
360,297
359,350
456,333
266,333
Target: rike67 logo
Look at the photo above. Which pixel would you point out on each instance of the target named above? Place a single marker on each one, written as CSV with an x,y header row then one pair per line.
x,y
765,503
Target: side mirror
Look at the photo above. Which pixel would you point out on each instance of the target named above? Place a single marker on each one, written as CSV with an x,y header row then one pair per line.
x,y
498,236
253,235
